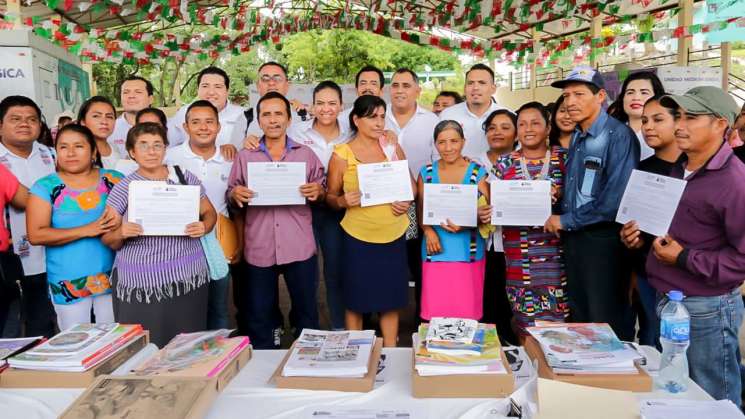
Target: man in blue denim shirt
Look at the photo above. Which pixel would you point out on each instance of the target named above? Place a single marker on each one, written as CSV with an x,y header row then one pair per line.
x,y
602,155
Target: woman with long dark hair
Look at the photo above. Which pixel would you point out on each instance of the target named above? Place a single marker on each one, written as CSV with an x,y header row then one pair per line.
x,y
99,116
628,108
562,126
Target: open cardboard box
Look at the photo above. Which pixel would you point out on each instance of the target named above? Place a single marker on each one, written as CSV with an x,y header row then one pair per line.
x,y
462,385
21,378
362,384
640,382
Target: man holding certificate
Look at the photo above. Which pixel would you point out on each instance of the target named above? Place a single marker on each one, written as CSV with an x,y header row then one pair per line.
x,y
269,185
703,254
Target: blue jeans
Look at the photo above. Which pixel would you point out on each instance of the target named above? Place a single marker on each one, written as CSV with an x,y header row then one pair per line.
x,y
328,234
649,323
217,305
712,356
261,289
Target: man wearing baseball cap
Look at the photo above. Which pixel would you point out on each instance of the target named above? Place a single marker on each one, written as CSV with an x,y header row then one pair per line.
x,y
703,255
602,154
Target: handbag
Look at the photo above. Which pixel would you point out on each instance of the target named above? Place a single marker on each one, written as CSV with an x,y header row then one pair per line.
x,y
213,252
226,235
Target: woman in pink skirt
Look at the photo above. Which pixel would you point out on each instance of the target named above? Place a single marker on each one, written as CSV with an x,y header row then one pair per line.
x,y
453,256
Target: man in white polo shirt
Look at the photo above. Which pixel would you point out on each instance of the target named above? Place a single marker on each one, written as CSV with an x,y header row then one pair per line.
x,y
368,81
479,89
28,160
414,126
213,85
136,94
200,156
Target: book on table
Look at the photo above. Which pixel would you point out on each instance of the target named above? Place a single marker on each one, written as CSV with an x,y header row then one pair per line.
x,y
10,347
451,330
200,354
320,353
584,348
79,348
482,355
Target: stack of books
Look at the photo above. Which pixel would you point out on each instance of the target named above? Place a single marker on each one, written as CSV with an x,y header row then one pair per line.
x,y
10,347
79,348
584,348
320,353
452,346
199,354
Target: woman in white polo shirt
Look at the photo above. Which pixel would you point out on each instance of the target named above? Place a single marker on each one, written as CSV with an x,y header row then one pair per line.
x,y
322,134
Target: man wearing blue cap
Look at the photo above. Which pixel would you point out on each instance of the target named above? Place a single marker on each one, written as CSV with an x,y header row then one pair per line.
x,y
602,154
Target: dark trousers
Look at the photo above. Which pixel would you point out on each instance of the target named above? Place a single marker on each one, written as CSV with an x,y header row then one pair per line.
x,y
238,276
496,306
260,291
36,311
329,236
414,259
598,277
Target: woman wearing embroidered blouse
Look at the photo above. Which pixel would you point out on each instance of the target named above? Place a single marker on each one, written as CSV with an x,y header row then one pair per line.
x,y
160,282
374,266
67,213
536,281
98,115
453,256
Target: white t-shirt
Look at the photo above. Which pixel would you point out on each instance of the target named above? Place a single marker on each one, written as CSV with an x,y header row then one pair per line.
x,y
303,133
494,242
232,124
213,172
110,162
472,126
39,163
416,137
118,138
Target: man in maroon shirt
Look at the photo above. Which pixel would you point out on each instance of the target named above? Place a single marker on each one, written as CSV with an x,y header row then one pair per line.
x,y
703,255
278,239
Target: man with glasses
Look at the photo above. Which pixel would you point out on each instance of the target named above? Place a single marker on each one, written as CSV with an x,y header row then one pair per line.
x,y
28,160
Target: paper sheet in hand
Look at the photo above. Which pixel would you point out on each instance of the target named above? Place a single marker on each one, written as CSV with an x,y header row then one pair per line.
x,y
458,203
651,200
162,209
520,202
559,400
384,183
276,183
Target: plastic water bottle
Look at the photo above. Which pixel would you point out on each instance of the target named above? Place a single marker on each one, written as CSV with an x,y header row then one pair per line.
x,y
675,328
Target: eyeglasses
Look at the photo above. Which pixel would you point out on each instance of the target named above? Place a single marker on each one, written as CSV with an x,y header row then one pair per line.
x,y
276,78
144,147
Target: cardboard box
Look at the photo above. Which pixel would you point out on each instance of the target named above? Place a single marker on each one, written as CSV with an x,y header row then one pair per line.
x,y
640,383
20,378
362,385
147,397
232,369
462,385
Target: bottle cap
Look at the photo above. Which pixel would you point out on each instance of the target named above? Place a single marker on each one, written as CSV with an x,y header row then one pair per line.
x,y
675,295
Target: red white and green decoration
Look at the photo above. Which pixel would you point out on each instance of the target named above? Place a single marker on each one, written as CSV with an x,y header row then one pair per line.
x,y
244,25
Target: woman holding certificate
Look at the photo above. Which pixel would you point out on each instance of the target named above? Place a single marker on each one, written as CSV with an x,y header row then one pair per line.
x,y
67,213
536,282
161,281
453,256
374,271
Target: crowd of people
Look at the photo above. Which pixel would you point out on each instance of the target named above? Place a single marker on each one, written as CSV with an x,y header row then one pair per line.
x,y
70,254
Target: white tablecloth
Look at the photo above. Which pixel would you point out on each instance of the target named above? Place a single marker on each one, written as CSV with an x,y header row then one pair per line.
x,y
250,396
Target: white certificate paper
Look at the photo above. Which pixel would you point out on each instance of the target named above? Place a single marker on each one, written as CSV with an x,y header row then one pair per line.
x,y
162,209
276,183
458,203
651,201
384,183
520,202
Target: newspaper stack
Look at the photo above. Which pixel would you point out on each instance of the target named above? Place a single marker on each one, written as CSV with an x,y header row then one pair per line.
x,y
79,348
584,348
449,346
319,353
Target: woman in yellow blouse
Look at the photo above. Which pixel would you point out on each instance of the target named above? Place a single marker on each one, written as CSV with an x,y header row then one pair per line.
x,y
374,271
